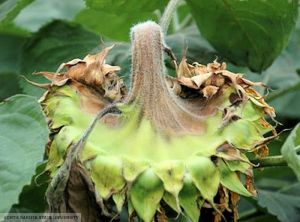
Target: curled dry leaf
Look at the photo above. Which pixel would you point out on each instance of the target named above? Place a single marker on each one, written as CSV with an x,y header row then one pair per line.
x,y
96,83
211,78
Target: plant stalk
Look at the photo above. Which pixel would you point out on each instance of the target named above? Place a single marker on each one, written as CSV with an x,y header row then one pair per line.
x,y
168,14
271,161
283,92
149,89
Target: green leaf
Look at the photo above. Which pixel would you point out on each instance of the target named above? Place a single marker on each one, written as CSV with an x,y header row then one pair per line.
x,y
54,44
231,181
10,48
122,15
32,198
117,28
283,205
261,218
133,168
32,19
205,176
289,152
11,29
171,201
11,8
171,173
248,33
106,173
242,134
188,198
119,199
23,136
198,49
145,195
9,84
125,6
283,77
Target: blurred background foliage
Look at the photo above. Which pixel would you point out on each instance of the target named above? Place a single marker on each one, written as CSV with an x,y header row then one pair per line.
x,y
258,38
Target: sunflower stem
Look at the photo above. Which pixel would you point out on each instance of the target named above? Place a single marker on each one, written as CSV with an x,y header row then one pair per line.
x,y
283,92
271,161
149,89
168,14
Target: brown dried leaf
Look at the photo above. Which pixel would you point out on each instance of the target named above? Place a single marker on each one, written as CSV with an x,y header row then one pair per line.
x,y
198,69
224,199
212,76
69,64
250,185
98,58
173,85
200,79
250,83
94,74
217,217
187,82
161,216
183,69
55,78
234,81
91,101
46,86
261,151
234,199
258,100
209,91
80,195
215,66
215,80
227,152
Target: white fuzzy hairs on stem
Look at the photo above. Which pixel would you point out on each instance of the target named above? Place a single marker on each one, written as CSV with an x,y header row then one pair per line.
x,y
168,14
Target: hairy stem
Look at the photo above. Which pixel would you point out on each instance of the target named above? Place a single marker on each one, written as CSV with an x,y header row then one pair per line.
x,y
167,15
282,92
149,86
270,161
